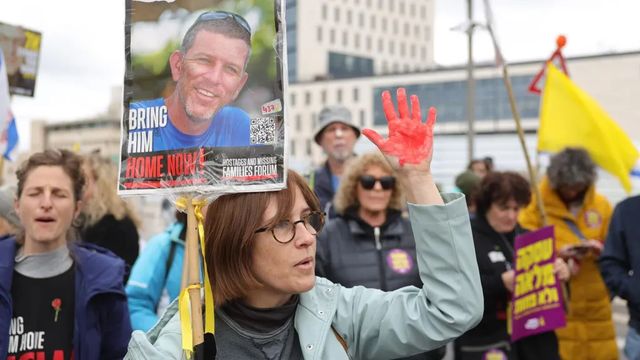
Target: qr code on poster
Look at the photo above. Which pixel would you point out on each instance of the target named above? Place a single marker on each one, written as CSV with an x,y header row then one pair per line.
x,y
263,131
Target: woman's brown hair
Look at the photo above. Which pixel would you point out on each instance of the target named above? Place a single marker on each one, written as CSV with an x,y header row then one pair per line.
x,y
230,227
500,187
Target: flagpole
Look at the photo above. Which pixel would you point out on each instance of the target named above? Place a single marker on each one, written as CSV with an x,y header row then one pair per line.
x,y
501,63
470,85
516,117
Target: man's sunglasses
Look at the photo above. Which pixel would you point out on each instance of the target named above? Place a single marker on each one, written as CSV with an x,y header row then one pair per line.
x,y
223,15
368,182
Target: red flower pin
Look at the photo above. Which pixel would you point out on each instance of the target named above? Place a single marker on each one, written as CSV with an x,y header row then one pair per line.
x,y
57,305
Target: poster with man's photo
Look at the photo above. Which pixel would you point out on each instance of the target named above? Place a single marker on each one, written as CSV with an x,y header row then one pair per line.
x,y
203,105
21,49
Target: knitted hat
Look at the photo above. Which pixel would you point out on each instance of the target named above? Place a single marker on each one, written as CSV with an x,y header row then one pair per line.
x,y
332,114
467,182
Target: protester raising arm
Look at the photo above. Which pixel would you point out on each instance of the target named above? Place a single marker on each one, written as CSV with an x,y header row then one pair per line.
x,y
409,320
260,253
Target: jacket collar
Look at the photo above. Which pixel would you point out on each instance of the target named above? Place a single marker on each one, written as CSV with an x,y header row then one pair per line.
x,y
97,270
357,226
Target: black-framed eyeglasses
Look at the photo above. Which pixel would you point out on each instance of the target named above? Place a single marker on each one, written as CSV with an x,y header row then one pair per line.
x,y
284,231
223,15
368,182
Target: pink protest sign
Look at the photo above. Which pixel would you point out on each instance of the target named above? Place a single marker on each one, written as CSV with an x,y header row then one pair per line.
x,y
537,299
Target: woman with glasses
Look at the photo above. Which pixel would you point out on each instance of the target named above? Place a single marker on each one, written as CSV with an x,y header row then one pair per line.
x,y
369,243
260,254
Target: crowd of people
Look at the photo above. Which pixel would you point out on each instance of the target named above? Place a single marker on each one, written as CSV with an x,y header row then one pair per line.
x,y
402,268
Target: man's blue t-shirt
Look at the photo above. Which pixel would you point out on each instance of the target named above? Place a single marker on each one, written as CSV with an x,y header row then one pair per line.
x,y
229,127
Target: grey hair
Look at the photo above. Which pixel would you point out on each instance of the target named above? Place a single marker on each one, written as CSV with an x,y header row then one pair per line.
x,y
571,166
227,27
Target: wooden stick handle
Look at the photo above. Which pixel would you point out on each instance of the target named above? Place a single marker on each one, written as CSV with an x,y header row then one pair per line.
x,y
193,276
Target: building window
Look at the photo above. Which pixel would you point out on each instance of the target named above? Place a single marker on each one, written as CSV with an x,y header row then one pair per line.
x,y
406,29
384,24
357,40
423,11
413,50
373,22
339,96
491,102
392,46
416,30
307,98
368,43
345,66
336,14
423,53
380,45
293,99
391,7
332,36
298,122
361,118
323,97
402,49
427,32
361,20
324,11
345,38
308,147
412,9
355,94
293,148
380,3
348,17
314,120
395,26
319,34
401,7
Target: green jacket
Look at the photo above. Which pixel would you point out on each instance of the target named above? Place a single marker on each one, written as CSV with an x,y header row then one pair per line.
x,y
376,324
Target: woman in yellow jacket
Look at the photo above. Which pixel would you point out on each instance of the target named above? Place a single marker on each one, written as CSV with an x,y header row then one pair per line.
x,y
581,219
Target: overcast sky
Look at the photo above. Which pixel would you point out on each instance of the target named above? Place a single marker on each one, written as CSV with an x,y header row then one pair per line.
x,y
82,55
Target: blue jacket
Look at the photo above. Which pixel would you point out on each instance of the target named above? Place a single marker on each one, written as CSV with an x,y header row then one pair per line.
x,y
621,254
149,277
376,324
102,328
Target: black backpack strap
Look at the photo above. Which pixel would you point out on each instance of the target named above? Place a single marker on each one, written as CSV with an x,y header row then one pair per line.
x,y
169,262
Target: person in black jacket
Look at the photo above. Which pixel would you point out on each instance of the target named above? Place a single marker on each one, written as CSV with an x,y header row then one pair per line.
x,y
109,222
369,243
498,201
620,266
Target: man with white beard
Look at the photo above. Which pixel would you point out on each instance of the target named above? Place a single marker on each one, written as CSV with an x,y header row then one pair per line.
x,y
336,134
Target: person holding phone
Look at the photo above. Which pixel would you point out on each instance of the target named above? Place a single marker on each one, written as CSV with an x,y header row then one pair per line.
x,y
580,217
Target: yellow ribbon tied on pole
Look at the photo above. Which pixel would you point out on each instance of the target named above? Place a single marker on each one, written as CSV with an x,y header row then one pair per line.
x,y
184,303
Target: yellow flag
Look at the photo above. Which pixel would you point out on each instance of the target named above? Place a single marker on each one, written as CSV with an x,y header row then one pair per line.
x,y
570,117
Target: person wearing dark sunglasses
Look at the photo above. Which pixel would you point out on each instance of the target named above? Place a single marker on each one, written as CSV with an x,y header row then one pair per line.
x,y
369,243
209,71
